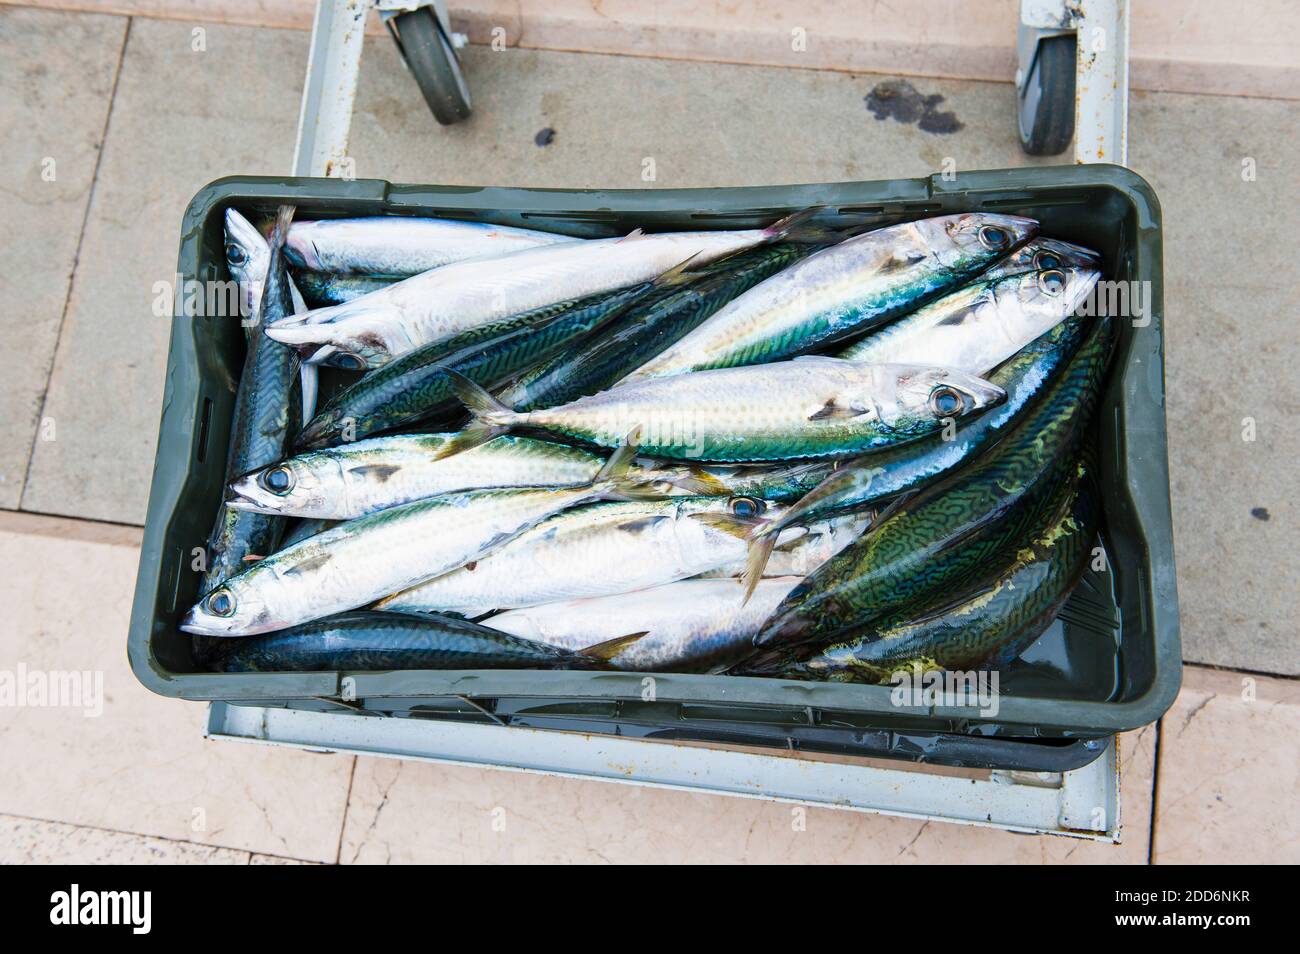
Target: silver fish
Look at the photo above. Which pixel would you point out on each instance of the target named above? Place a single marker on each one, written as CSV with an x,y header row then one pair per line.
x,y
404,245
364,477
809,407
362,560
848,288
437,305
605,549
690,625
979,326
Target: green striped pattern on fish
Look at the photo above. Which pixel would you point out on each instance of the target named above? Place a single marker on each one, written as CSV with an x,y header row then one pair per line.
x,y
846,289
987,626
647,329
933,541
416,386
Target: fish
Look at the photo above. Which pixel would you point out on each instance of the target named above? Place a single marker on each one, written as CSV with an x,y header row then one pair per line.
x,y
847,289
873,478
416,386
687,626
981,325
266,410
439,304
618,547
366,641
809,407
404,245
988,625
353,480
932,541
646,329
322,289
248,257
362,560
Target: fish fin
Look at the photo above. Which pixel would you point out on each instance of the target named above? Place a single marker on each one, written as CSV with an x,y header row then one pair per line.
x,y
489,418
699,481
615,479
830,411
797,227
606,651
893,507
760,551
677,275
633,235
742,528
307,386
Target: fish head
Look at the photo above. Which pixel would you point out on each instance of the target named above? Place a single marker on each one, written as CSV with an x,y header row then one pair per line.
x,y
970,240
354,336
235,608
1043,253
303,486
1057,292
248,256
915,400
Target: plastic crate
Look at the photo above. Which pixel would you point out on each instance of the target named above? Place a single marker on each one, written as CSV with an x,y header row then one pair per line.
x,y
1085,678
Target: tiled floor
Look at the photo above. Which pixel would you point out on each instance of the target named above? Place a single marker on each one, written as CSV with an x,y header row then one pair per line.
x,y
136,114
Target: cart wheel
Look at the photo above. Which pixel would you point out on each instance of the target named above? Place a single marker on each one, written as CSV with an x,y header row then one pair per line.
x,y
1047,100
433,61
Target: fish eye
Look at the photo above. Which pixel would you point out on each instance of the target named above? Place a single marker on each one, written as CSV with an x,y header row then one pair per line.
x,y
1047,260
278,480
747,506
236,255
946,401
348,361
1052,282
221,602
993,237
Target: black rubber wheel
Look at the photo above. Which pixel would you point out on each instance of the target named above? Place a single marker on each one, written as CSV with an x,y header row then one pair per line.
x,y
433,62
1047,105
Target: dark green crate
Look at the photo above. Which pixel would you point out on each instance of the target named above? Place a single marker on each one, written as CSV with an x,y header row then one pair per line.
x,y
1102,683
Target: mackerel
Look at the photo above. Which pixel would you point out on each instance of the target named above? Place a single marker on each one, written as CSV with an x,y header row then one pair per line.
x,y
439,304
846,289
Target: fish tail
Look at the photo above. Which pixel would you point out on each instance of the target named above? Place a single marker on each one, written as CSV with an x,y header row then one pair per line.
x,y
797,227
280,231
759,533
489,418
761,545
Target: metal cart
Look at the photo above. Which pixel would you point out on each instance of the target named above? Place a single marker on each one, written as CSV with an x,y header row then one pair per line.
x,y
1072,83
